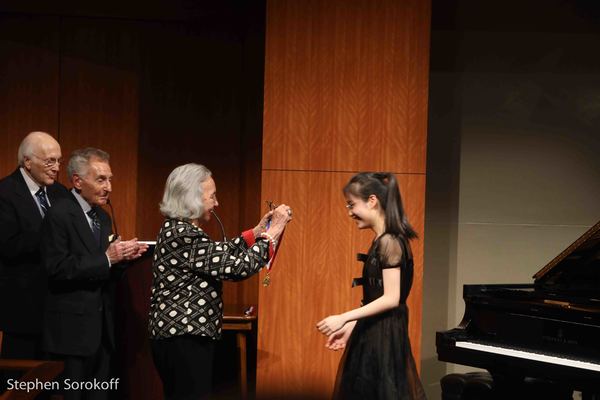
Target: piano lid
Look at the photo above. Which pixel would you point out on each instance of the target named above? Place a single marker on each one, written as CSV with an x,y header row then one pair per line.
x,y
579,263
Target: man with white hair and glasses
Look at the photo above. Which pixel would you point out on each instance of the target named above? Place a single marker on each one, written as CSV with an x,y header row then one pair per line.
x,y
26,195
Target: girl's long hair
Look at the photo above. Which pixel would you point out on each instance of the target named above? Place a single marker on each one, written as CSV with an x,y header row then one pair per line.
x,y
385,187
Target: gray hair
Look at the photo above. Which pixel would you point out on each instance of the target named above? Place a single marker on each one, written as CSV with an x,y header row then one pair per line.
x,y
183,192
79,162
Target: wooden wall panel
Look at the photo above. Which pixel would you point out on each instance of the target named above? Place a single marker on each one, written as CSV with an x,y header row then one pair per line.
x,y
418,83
343,79
99,103
28,82
345,91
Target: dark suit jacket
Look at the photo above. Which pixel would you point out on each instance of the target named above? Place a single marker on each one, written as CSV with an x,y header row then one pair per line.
x,y
22,277
80,300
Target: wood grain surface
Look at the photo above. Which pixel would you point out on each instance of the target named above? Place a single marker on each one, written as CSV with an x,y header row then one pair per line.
x,y
345,91
28,82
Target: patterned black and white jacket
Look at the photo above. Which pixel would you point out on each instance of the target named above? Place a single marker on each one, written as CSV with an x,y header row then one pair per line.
x,y
187,270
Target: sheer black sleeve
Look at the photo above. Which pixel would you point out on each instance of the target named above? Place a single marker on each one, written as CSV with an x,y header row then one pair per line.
x,y
390,251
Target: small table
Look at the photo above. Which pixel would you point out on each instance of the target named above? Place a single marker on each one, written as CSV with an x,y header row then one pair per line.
x,y
234,319
36,371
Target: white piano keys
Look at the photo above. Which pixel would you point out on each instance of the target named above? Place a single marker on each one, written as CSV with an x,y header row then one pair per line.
x,y
529,355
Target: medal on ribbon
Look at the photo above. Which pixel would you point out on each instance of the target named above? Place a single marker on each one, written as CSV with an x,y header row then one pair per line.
x,y
267,279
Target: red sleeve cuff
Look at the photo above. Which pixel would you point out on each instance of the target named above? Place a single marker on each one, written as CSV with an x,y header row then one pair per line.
x,y
249,237
250,240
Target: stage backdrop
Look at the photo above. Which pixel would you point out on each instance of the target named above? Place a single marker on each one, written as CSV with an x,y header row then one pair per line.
x,y
173,82
156,86
346,88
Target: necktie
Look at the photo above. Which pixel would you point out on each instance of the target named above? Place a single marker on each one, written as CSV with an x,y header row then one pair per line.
x,y
95,223
42,200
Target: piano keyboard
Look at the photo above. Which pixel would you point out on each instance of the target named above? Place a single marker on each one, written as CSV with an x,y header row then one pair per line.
x,y
568,362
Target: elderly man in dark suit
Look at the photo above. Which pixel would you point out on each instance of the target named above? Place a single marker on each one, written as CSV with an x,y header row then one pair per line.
x,y
81,263
25,197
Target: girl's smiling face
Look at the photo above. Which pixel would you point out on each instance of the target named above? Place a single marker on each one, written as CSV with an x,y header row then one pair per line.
x,y
364,213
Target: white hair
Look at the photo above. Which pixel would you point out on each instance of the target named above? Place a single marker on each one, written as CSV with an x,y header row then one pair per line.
x,y
25,150
28,145
183,192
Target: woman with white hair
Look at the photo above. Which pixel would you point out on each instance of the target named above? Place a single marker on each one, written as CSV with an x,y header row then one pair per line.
x,y
186,309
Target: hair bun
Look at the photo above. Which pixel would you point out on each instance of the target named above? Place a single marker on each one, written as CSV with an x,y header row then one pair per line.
x,y
384,177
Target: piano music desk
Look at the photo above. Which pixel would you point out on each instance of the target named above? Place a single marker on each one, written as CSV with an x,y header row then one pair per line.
x,y
235,320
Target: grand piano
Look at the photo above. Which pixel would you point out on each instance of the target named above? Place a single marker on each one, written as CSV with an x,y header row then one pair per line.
x,y
548,330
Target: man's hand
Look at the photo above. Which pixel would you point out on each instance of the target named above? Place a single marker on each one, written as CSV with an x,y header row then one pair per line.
x,y
125,250
133,249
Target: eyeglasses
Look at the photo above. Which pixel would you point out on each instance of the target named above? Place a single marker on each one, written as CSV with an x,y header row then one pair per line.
x,y
49,162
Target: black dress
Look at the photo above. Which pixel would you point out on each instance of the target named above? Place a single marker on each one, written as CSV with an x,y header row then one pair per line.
x,y
378,361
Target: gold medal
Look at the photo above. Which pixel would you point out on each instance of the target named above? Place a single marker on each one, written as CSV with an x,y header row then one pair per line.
x,y
267,280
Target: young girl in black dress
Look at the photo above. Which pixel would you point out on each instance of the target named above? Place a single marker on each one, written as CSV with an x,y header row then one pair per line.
x,y
378,362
